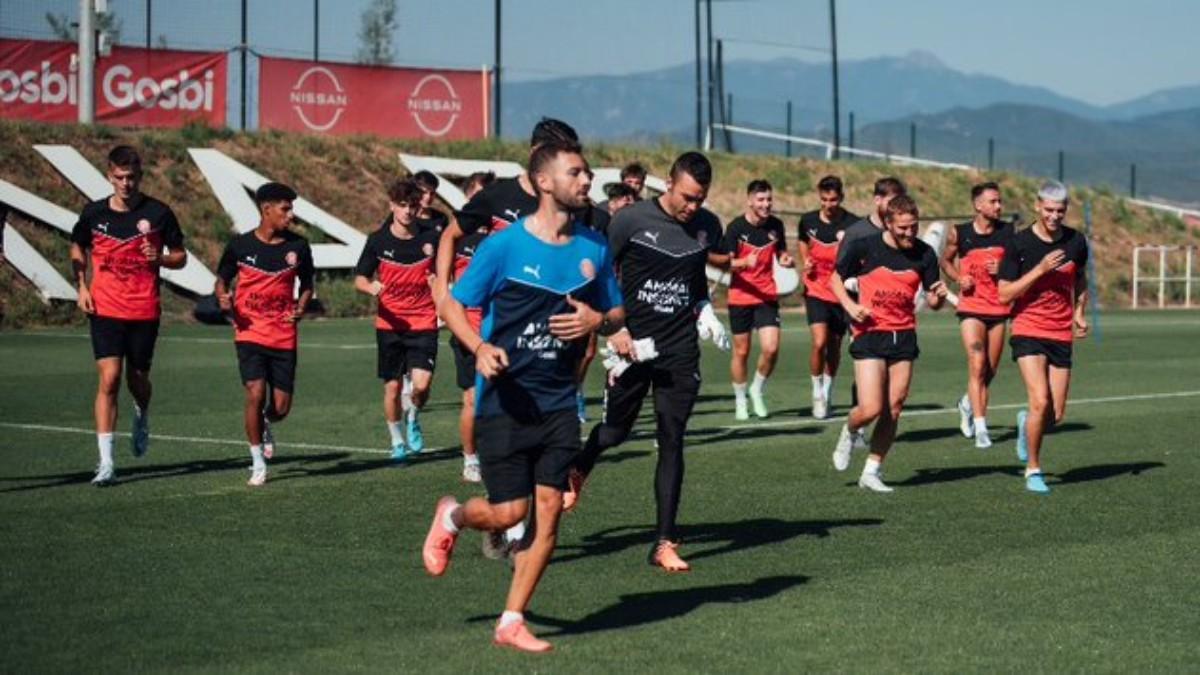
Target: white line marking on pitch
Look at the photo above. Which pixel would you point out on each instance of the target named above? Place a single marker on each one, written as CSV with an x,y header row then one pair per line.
x,y
730,427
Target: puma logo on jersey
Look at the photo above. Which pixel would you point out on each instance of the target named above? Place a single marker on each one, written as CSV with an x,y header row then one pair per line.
x,y
812,233
387,254
652,236
534,271
102,226
252,259
515,214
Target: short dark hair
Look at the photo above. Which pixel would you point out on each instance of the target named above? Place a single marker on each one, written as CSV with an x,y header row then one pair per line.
x,y
549,130
426,180
635,170
125,157
273,192
619,191
546,152
830,184
480,178
404,191
978,190
695,165
902,204
758,185
889,187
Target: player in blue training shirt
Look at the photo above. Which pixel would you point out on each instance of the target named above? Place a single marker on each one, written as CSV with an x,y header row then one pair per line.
x,y
545,284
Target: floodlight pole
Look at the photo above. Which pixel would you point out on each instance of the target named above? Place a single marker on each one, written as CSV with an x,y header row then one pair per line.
x,y
837,136
496,90
699,90
87,61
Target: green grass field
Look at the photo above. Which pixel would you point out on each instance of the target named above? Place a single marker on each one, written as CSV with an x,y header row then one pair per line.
x,y
180,567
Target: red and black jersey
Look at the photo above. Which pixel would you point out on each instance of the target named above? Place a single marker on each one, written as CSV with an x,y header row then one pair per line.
x,y
264,296
463,252
403,266
888,281
124,284
974,252
1047,310
497,206
822,239
753,285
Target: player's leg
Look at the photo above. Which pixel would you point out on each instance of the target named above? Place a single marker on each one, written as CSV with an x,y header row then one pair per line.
x,y
420,358
738,357
140,338
835,330
1060,388
622,403
818,354
585,363
464,375
995,351
108,348
1033,422
252,417
768,356
899,377
392,412
870,376
674,397
528,566
975,344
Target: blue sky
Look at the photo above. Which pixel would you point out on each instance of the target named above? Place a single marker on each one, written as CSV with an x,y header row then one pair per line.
x,y
1102,51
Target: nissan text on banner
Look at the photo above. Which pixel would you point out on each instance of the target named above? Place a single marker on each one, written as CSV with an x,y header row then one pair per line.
x,y
134,87
332,98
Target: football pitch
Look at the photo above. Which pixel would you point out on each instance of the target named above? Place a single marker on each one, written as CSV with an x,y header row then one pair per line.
x,y
181,567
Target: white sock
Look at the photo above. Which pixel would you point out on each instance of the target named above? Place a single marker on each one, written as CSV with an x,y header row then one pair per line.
x,y
760,381
406,393
104,442
509,618
1032,471
256,457
448,520
871,468
818,385
411,413
470,460
515,533
739,392
827,386
396,430
981,424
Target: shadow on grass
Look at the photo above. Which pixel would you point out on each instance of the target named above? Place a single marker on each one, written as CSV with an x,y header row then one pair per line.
x,y
618,457
1064,428
1084,474
637,609
951,474
711,539
140,472
722,435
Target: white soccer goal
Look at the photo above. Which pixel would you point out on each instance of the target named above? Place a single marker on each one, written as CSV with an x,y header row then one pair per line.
x,y
1176,265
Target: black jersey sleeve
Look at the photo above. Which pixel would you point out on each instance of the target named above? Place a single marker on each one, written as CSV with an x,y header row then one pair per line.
x,y
1080,258
850,258
227,267
930,270
477,212
172,234
81,234
1010,264
368,260
728,244
620,230
306,270
780,235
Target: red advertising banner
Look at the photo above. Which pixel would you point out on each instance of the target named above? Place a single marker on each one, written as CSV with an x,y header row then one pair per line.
x,y
134,87
395,102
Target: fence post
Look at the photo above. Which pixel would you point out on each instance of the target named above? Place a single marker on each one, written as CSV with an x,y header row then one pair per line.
x,y
148,8
912,139
316,30
1136,276
851,131
1133,181
1061,162
787,145
1187,278
991,153
245,48
1162,277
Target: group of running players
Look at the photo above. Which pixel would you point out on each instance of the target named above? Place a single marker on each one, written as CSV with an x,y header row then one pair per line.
x,y
527,275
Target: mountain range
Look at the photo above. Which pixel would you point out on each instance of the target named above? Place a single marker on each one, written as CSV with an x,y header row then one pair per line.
x,y
955,114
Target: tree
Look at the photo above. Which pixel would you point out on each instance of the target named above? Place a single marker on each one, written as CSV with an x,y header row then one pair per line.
x,y
375,36
65,29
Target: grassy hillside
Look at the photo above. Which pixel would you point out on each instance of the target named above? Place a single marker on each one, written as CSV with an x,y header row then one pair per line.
x,y
347,176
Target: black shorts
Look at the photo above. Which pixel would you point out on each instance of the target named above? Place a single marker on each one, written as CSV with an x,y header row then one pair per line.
x,y
130,340
743,319
401,353
829,313
464,365
1058,354
988,321
892,346
276,366
675,392
514,457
